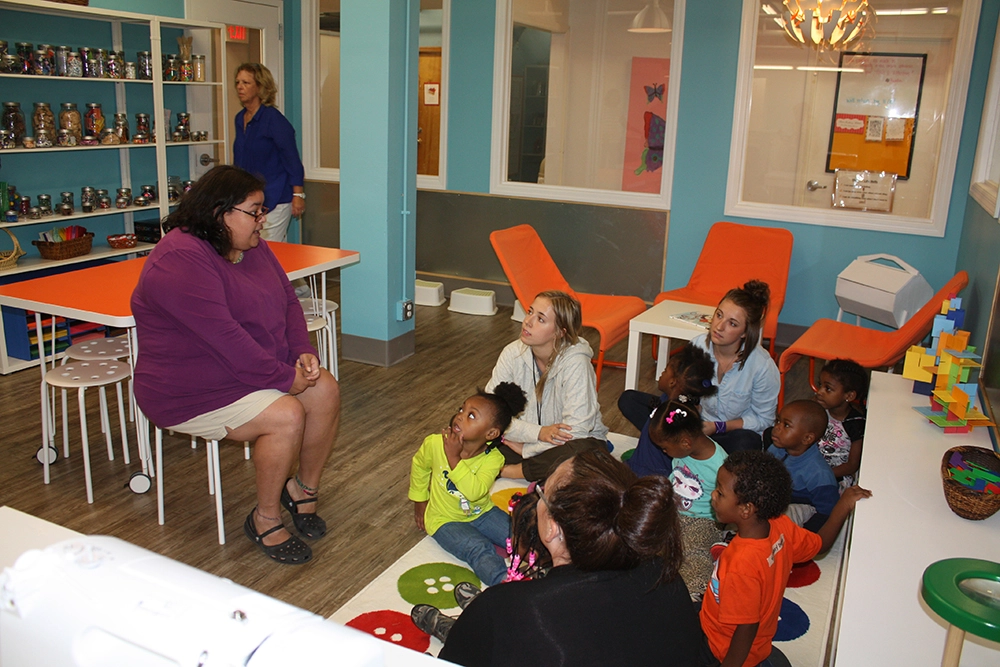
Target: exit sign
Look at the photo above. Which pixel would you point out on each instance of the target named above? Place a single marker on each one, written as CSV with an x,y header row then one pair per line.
x,y
236,33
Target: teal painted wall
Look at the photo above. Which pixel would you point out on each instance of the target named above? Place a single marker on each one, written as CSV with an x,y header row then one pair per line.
x,y
173,8
711,39
470,95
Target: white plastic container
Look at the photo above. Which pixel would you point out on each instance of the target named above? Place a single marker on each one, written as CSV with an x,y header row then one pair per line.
x,y
473,301
428,293
877,291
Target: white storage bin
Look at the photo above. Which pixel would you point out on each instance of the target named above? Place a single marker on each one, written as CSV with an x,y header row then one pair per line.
x,y
428,293
886,294
473,301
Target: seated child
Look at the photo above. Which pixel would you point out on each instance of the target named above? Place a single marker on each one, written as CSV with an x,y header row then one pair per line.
x,y
689,374
676,429
739,612
451,477
793,437
841,383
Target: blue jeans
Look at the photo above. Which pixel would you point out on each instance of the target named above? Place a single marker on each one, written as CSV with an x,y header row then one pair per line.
x,y
472,542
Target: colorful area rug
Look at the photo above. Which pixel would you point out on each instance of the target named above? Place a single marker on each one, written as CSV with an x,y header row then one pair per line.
x,y
428,574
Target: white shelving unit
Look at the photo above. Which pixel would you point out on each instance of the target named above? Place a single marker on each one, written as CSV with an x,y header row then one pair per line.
x,y
205,101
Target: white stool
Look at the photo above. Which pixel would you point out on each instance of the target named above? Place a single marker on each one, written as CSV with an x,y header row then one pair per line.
x,y
95,349
214,479
81,375
321,317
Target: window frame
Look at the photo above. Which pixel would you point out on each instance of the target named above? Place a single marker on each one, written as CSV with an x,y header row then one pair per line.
x,y
983,190
310,101
499,185
934,225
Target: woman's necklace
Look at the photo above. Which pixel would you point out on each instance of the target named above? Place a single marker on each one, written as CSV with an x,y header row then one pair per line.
x,y
238,259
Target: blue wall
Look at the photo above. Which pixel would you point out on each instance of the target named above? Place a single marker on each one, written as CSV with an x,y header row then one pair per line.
x,y
173,8
711,39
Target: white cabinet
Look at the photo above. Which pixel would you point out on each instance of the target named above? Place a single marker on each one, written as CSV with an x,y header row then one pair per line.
x,y
57,169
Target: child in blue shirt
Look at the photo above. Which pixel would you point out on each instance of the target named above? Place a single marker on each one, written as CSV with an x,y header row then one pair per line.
x,y
676,429
799,426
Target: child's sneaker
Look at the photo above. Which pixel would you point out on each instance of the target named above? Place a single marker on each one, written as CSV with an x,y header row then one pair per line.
x,y
430,620
465,593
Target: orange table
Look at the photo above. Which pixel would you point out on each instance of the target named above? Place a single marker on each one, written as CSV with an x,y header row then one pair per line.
x,y
102,294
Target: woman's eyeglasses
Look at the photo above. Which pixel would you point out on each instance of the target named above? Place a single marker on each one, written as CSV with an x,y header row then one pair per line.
x,y
258,216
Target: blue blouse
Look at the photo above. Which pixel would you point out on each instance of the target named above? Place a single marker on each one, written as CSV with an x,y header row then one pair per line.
x,y
266,148
750,393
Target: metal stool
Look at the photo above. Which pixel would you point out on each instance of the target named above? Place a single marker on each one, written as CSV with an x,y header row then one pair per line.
x,y
965,592
214,479
82,375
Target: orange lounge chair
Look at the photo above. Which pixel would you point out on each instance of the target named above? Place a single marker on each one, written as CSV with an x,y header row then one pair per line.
x,y
732,255
829,339
530,270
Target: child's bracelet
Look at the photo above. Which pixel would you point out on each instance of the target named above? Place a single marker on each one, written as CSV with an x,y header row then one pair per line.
x,y
720,427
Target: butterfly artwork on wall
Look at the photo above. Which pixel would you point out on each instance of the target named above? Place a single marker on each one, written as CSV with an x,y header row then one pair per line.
x,y
654,129
654,92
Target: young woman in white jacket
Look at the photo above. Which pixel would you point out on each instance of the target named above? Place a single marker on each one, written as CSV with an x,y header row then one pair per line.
x,y
552,364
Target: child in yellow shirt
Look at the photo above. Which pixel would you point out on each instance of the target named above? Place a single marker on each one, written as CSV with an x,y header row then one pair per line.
x,y
451,476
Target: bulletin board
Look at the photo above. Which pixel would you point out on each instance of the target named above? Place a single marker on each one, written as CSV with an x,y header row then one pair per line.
x,y
875,112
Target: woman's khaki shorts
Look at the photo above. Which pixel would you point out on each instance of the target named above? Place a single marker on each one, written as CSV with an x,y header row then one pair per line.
x,y
212,425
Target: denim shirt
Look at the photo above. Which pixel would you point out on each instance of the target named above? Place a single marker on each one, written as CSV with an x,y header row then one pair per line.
x,y
750,393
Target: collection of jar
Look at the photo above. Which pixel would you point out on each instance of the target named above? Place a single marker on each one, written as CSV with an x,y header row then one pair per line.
x,y
46,60
20,207
88,129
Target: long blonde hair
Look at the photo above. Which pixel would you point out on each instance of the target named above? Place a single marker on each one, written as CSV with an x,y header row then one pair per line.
x,y
268,91
569,321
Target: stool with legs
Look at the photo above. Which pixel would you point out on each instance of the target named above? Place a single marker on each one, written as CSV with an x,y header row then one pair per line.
x,y
82,375
214,480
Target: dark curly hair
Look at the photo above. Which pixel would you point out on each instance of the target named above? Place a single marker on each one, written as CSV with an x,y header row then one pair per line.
x,y
760,479
200,211
524,538
753,298
673,418
507,400
851,376
613,520
694,369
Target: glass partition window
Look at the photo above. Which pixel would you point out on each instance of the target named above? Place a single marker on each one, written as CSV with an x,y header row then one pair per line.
x,y
588,90
864,138
321,90
986,173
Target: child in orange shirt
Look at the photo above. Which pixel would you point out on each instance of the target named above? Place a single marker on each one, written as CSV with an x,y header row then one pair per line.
x,y
739,611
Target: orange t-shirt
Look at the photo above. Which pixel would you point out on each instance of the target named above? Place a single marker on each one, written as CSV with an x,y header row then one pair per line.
x,y
748,583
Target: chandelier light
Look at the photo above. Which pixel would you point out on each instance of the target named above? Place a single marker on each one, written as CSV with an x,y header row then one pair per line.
x,y
824,24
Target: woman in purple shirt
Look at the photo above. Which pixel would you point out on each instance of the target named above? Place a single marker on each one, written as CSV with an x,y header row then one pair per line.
x,y
224,353
264,145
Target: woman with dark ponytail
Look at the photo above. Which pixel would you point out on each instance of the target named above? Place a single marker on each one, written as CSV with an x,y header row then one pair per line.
x,y
613,595
747,378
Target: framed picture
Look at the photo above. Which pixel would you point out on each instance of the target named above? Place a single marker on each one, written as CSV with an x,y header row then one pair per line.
x,y
875,112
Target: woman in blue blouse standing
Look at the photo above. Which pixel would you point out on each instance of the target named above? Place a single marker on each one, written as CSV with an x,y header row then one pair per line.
x,y
265,146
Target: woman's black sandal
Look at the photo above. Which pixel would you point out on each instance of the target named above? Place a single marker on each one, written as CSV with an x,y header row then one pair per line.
x,y
292,551
310,525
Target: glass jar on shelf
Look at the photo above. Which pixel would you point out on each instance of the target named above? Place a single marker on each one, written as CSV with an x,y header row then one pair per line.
x,y
142,123
102,63
186,71
61,64
144,65
3,47
172,70
184,125
42,118
13,121
131,71
71,122
44,139
93,119
42,63
121,127
74,67
86,55
198,63
115,68
25,51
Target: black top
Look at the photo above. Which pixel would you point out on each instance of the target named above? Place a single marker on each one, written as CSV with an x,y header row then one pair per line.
x,y
576,618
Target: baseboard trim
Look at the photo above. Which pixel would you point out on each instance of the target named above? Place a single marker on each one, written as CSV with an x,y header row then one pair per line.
x,y
374,352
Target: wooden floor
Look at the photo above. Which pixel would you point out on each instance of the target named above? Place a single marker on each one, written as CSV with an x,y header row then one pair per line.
x,y
386,412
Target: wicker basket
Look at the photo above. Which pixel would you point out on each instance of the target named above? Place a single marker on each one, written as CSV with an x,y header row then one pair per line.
x,y
65,249
8,258
963,501
121,241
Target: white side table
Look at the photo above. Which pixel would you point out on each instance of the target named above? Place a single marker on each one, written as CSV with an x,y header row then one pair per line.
x,y
659,321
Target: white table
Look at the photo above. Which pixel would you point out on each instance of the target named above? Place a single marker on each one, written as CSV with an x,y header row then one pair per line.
x,y
905,526
658,321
